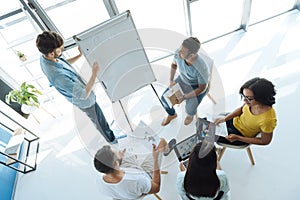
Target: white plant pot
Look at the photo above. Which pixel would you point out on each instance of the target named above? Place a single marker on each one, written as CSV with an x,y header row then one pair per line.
x,y
26,109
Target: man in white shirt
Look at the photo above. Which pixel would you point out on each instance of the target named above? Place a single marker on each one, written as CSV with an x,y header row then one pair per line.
x,y
123,178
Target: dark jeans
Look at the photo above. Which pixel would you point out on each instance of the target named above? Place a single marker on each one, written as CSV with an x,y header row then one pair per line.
x,y
95,114
231,130
191,103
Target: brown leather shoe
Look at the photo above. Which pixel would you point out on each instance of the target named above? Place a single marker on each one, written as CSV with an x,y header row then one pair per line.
x,y
168,119
188,120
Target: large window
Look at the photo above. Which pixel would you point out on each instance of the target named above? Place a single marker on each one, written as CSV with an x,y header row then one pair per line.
x,y
212,18
6,7
166,14
263,9
209,19
72,17
160,16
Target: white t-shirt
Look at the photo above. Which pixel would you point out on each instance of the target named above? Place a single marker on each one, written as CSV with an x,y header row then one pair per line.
x,y
134,184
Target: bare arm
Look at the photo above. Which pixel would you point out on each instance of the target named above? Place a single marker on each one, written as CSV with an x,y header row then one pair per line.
x,y
91,82
181,167
265,139
75,58
155,182
201,88
172,73
219,166
235,113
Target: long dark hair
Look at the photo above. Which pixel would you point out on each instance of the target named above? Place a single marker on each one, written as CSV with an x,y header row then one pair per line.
x,y
201,179
263,90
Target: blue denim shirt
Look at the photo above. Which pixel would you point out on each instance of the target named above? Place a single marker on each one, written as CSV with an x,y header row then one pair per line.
x,y
67,82
198,72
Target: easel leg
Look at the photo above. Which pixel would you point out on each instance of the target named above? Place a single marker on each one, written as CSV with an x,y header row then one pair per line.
x,y
126,115
157,95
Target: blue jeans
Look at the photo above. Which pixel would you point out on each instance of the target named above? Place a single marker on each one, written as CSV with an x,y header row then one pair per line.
x,y
95,114
191,103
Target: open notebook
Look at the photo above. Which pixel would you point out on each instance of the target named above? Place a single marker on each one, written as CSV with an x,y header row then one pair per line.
x,y
140,140
173,94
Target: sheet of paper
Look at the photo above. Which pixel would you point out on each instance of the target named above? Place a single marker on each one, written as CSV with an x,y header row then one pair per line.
x,y
140,140
221,129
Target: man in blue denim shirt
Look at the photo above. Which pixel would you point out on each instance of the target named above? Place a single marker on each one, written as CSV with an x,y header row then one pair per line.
x,y
64,78
194,76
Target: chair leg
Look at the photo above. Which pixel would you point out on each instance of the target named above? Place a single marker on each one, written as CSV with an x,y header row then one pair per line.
x,y
157,196
250,155
164,172
211,98
221,153
47,112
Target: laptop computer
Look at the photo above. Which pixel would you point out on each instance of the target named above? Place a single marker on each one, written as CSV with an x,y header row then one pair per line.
x,y
205,130
184,148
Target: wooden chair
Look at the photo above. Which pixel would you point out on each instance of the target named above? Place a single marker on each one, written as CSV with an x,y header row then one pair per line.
x,y
224,146
156,195
210,63
247,147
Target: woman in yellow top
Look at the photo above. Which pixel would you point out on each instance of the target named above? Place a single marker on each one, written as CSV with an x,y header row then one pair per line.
x,y
256,115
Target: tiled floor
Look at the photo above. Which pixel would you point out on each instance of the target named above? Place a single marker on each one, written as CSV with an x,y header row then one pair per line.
x,y
269,49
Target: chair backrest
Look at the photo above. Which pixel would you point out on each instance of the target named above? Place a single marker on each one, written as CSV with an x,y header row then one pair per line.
x,y
209,62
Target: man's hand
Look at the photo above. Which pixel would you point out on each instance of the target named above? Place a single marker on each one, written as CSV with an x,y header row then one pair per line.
x,y
95,69
121,154
80,52
180,99
172,83
155,152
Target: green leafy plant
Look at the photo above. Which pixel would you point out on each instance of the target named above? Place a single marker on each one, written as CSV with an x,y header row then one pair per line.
x,y
27,94
20,54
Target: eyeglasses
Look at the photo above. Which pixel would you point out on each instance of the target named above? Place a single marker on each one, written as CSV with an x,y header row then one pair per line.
x,y
249,99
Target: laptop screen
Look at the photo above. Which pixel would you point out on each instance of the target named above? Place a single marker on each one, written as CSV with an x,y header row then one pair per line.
x,y
184,148
205,130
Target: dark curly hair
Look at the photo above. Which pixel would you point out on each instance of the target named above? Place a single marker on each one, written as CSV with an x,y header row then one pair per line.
x,y
192,44
48,41
104,160
263,90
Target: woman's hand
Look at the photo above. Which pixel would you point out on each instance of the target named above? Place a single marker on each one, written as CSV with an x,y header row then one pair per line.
x,y
232,137
181,167
219,120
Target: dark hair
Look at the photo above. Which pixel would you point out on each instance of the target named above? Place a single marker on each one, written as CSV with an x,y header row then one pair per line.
x,y
201,179
192,44
48,41
104,160
263,90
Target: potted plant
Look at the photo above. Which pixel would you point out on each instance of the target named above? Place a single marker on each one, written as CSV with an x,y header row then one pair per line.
x,y
26,95
21,56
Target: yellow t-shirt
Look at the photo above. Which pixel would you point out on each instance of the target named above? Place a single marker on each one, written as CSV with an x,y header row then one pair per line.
x,y
250,125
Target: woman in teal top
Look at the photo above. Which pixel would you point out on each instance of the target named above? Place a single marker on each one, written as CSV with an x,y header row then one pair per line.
x,y
202,180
